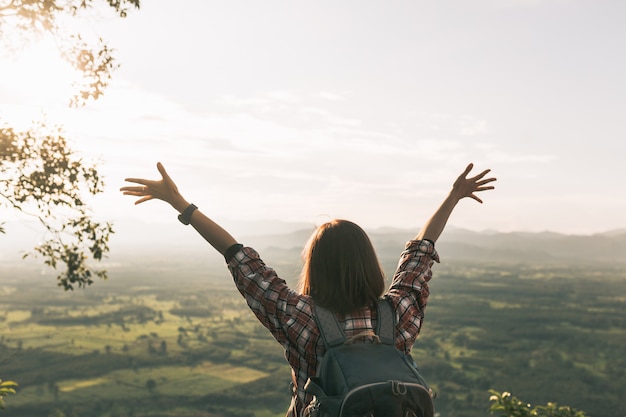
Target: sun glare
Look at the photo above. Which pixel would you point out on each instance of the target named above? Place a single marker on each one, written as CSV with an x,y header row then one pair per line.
x,y
37,76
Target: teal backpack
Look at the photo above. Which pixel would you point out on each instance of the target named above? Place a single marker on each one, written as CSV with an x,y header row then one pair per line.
x,y
366,379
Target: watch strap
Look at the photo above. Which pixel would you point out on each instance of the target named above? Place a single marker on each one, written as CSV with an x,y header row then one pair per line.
x,y
185,216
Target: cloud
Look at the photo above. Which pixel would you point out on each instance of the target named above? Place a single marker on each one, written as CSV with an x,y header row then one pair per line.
x,y
493,152
304,157
265,99
326,117
450,124
527,3
330,96
472,127
276,101
281,95
234,101
315,111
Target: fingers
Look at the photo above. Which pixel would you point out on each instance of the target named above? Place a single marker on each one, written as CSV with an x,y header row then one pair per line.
x,y
467,170
481,175
146,189
137,180
476,198
134,189
478,179
481,184
144,199
163,172
137,192
469,186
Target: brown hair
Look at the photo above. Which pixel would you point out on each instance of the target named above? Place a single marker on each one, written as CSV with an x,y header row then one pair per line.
x,y
341,271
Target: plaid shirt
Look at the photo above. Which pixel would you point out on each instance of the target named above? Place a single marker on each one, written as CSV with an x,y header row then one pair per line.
x,y
288,315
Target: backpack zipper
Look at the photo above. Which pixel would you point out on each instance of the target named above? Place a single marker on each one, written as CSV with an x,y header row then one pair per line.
x,y
397,388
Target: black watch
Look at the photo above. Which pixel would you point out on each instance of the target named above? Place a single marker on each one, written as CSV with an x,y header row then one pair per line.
x,y
185,216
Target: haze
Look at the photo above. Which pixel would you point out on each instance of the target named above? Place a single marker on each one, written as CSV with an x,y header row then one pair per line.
x,y
303,111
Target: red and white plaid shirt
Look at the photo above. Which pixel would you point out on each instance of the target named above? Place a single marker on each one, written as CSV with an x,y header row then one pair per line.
x,y
288,315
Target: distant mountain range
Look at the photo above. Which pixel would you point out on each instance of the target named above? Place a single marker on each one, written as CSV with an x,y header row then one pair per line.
x,y
525,247
490,246
285,240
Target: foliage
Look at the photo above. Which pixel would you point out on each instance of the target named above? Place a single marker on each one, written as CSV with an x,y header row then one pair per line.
x,y
151,385
30,18
505,405
228,364
37,168
6,388
38,171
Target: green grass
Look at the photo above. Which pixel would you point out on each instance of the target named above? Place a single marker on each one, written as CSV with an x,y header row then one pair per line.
x,y
529,331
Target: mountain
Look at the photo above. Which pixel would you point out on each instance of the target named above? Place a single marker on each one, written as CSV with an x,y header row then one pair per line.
x,y
466,245
135,242
541,247
488,246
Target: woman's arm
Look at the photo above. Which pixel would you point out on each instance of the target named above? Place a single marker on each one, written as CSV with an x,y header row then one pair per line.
x,y
165,189
462,187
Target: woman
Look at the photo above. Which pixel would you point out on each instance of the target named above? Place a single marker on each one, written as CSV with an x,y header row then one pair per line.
x,y
341,272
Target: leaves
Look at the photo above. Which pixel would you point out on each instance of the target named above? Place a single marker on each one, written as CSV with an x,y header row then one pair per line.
x,y
505,405
38,165
96,67
120,6
6,388
39,170
42,14
94,60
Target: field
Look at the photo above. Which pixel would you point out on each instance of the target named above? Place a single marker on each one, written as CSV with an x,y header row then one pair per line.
x,y
130,347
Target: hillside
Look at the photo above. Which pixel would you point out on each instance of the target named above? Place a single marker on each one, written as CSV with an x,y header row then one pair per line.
x,y
482,247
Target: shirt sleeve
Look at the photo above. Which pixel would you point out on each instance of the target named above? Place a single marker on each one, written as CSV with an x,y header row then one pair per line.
x,y
409,290
284,312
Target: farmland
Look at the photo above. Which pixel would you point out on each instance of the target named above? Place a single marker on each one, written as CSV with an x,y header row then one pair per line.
x,y
143,344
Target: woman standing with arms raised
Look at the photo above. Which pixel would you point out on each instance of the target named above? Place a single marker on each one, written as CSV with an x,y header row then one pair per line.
x,y
341,273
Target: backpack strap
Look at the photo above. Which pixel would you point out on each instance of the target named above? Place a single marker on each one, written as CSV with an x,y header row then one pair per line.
x,y
386,326
333,335
329,326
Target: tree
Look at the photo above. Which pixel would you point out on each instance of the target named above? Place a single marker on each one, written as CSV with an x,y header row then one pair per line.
x,y
151,385
40,175
6,388
31,18
505,405
53,388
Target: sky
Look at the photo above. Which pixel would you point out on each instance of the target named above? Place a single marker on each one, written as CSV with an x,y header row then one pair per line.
x,y
366,110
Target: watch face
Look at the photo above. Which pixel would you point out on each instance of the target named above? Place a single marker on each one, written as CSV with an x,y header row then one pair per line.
x,y
185,216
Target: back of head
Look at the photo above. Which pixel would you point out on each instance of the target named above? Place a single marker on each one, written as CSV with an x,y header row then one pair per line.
x,y
341,271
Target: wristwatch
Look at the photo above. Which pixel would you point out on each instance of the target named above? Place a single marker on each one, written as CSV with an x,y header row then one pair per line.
x,y
185,216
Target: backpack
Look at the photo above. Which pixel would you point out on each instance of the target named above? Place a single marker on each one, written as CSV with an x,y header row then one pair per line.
x,y
366,379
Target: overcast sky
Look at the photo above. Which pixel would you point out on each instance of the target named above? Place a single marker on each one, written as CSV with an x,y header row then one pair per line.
x,y
366,110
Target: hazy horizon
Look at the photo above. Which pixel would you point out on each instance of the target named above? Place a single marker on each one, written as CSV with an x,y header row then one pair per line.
x,y
134,237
